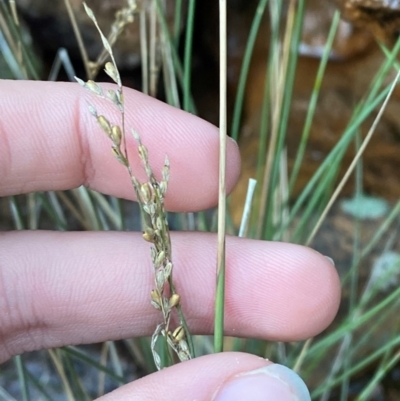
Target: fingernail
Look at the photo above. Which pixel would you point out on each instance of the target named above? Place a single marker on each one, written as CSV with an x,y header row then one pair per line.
x,y
271,383
330,260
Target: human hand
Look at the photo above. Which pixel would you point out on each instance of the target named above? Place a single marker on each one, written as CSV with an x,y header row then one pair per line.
x,y
60,288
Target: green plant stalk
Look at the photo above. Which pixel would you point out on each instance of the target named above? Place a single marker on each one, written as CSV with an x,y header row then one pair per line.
x,y
284,117
170,84
353,163
76,383
16,213
350,326
115,358
82,356
365,395
40,388
375,324
313,101
220,290
244,71
381,230
358,367
187,65
177,23
269,110
316,202
362,111
357,231
337,152
346,364
374,327
384,70
219,312
52,206
27,57
176,61
22,378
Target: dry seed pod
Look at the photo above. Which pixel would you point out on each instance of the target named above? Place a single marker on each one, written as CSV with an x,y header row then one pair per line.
x,y
119,156
163,188
168,269
147,192
116,135
81,82
156,299
111,95
159,259
183,353
178,334
167,309
159,223
92,86
150,209
120,96
155,305
143,153
174,300
104,124
149,234
183,356
111,71
153,254
160,279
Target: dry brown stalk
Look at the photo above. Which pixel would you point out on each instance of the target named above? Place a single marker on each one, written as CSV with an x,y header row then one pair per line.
x,y
150,195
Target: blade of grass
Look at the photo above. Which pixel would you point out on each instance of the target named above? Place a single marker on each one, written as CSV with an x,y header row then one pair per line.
x,y
22,378
84,357
362,111
220,291
62,59
177,23
144,51
379,375
368,360
175,57
272,102
244,71
78,37
15,213
187,65
56,359
354,162
290,56
77,386
313,100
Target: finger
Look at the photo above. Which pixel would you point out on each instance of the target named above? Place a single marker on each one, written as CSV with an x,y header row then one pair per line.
x,y
220,377
51,142
68,288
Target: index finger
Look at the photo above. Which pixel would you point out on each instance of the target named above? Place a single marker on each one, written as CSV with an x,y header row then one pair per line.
x,y
51,142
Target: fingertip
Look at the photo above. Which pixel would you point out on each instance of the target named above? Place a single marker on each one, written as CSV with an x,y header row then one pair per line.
x,y
294,290
66,148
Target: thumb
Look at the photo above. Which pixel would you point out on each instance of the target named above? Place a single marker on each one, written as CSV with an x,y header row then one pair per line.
x,y
219,377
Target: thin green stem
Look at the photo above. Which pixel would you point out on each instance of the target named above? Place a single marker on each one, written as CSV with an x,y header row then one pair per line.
x,y
244,72
187,66
22,378
220,292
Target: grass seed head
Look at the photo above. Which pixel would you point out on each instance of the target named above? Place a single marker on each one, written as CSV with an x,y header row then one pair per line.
x,y
116,135
174,300
105,125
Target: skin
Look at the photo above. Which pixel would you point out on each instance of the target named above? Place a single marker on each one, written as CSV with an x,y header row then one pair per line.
x,y
60,288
